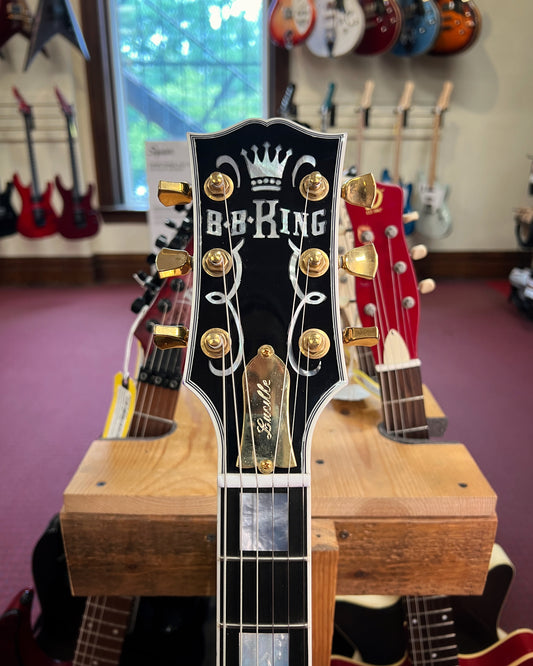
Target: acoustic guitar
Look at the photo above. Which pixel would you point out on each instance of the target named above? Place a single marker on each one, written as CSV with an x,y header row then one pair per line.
x,y
420,27
339,27
460,27
78,218
290,21
435,220
383,23
264,357
37,218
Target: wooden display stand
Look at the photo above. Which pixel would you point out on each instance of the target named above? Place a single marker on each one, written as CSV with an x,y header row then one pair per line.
x,y
139,516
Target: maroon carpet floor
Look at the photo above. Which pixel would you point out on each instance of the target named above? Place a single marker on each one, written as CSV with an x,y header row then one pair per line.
x,y
62,347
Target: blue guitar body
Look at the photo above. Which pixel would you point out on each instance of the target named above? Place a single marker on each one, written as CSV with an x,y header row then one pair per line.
x,y
408,227
420,27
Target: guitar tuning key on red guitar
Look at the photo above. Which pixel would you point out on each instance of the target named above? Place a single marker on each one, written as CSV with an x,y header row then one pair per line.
x,y
427,286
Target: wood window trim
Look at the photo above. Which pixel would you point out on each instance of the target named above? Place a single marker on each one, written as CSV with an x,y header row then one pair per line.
x,y
102,109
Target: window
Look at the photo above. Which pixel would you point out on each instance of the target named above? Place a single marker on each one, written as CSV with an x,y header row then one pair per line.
x,y
174,66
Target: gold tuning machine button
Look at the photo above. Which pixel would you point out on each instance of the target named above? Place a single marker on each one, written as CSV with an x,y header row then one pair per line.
x,y
360,191
314,186
354,336
172,194
170,337
360,261
170,263
218,186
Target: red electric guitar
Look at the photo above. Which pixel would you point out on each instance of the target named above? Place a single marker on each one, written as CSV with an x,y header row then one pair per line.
x,y
383,24
78,218
459,29
290,21
18,646
391,302
37,217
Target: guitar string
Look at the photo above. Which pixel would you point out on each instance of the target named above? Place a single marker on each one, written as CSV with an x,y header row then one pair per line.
x,y
394,375
241,493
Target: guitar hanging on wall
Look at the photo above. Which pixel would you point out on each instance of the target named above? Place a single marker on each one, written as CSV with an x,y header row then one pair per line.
x,y
78,218
290,21
8,217
460,27
339,27
37,217
54,17
420,27
264,357
435,220
383,22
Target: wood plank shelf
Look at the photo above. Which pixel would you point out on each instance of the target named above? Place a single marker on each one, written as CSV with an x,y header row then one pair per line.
x,y
139,516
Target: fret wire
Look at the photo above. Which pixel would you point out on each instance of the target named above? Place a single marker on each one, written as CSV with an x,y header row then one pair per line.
x,y
396,401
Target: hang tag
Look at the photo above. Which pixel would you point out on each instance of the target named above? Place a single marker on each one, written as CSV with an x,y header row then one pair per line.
x,y
120,413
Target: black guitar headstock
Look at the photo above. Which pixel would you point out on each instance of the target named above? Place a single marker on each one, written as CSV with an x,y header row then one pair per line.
x,y
265,345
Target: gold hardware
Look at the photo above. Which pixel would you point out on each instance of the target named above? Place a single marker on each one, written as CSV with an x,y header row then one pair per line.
x,y
355,336
314,262
218,186
266,466
360,191
217,262
265,430
360,261
170,337
314,343
314,186
172,194
215,342
170,263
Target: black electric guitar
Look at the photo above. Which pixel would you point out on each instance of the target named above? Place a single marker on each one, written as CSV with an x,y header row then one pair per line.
x,y
54,17
264,357
8,217
78,218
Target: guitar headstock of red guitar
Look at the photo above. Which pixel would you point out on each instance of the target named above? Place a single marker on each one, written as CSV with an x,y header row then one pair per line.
x,y
24,108
391,300
68,109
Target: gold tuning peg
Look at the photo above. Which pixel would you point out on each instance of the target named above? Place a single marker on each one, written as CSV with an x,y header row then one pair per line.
x,y
170,263
170,337
355,336
360,261
427,286
360,191
418,252
172,194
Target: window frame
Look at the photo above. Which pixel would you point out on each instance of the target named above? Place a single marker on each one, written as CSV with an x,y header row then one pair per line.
x,y
100,86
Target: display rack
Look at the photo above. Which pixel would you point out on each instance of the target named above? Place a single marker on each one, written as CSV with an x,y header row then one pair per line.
x,y
139,516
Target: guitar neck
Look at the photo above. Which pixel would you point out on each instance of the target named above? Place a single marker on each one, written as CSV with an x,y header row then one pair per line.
x,y
103,629
431,631
73,166
402,401
264,572
434,151
36,193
